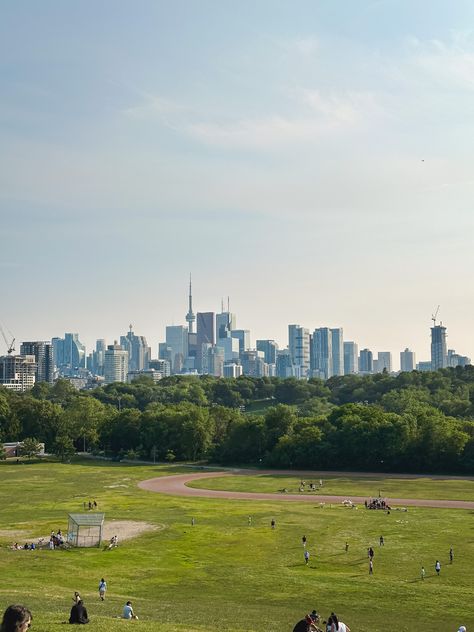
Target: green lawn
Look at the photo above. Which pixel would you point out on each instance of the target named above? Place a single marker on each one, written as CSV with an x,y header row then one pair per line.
x,y
433,488
221,574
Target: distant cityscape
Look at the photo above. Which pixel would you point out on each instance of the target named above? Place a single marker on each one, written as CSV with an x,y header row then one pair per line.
x,y
209,344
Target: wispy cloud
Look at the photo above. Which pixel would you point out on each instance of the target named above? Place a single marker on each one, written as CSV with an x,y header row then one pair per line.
x,y
152,106
446,63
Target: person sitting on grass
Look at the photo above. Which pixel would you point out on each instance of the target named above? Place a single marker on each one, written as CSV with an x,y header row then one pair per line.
x,y
78,613
308,624
128,611
16,619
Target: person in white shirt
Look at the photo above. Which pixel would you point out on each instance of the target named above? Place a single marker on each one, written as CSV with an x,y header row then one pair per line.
x,y
128,611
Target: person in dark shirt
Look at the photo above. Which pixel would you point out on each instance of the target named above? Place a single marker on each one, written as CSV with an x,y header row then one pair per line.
x,y
79,613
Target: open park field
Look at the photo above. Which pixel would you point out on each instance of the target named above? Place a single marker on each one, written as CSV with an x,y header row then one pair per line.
x,y
224,574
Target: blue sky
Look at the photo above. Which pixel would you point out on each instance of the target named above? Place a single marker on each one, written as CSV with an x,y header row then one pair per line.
x,y
312,160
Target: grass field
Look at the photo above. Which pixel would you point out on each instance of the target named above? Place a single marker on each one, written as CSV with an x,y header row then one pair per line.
x,y
392,487
222,574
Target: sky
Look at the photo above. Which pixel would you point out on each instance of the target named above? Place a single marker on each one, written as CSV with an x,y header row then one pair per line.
x,y
311,159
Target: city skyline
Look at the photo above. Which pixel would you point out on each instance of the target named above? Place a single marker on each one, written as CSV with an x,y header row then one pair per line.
x,y
231,318
312,163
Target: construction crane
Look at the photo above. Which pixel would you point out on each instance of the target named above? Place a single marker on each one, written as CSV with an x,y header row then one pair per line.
x,y
433,316
10,345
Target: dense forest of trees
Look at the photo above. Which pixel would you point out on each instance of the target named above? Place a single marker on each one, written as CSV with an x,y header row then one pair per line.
x,y
421,422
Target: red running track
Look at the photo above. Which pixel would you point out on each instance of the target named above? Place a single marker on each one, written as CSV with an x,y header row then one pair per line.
x,y
177,486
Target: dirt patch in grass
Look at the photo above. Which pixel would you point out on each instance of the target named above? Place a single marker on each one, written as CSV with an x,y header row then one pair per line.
x,y
123,529
13,533
126,529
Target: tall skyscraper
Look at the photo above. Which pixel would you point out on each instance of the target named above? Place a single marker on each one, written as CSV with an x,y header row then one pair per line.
x,y
205,336
243,336
366,361
298,345
69,354
115,364
384,362
351,358
407,360
177,341
225,323
215,361
322,357
269,348
138,351
337,342
190,317
43,353
439,353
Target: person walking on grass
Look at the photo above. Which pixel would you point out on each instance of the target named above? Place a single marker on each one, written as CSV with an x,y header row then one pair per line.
x,y
303,540
371,567
451,555
381,541
437,567
102,589
306,557
423,573
273,523
347,547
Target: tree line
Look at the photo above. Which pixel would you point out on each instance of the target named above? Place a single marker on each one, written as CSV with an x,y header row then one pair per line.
x,y
416,421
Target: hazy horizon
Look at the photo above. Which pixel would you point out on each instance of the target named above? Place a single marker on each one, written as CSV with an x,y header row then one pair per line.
x,y
313,161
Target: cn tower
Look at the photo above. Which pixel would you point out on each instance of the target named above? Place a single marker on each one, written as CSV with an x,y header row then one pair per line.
x,y
190,317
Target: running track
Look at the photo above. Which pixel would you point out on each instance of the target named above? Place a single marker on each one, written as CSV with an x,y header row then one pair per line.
x,y
177,486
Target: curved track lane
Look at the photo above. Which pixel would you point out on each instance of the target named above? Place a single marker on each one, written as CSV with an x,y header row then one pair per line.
x,y
177,486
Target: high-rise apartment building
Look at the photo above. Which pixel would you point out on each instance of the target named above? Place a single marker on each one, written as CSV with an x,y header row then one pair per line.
x,y
337,341
407,360
439,353
366,361
232,370
455,359
17,372
284,364
298,345
321,356
43,354
351,358
160,366
253,363
115,364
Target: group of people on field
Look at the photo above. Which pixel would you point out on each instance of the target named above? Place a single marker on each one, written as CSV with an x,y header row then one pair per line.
x,y
311,622
79,612
377,503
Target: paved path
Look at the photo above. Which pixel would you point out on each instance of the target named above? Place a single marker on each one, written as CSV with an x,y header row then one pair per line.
x,y
177,486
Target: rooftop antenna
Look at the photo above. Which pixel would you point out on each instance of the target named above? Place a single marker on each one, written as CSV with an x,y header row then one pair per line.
x,y
433,316
222,305
228,304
